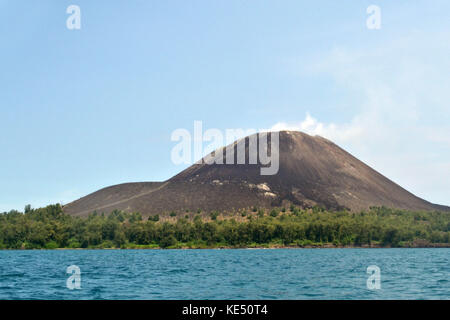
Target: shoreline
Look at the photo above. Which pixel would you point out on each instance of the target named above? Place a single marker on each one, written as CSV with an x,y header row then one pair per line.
x,y
269,247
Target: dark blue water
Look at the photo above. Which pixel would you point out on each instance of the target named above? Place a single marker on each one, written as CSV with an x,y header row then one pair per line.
x,y
226,274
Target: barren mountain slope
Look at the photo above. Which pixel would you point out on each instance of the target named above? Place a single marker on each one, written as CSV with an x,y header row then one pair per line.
x,y
312,171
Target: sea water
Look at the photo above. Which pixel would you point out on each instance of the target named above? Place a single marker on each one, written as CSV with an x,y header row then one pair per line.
x,y
226,274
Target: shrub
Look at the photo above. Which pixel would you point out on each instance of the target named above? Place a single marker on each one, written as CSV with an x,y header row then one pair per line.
x,y
51,245
214,215
273,213
167,241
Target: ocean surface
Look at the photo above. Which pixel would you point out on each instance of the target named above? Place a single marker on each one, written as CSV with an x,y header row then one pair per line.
x,y
226,274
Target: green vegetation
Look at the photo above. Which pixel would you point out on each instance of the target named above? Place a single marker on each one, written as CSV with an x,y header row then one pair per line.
x,y
273,213
49,228
214,215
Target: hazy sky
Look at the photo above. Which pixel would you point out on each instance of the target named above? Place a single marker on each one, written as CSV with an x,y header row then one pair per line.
x,y
84,109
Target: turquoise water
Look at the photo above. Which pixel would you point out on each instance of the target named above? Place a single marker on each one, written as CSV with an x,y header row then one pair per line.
x,y
226,274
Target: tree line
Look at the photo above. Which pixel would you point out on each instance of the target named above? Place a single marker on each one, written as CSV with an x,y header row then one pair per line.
x,y
50,228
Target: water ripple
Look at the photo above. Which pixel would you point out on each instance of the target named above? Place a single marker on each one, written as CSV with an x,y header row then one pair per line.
x,y
226,274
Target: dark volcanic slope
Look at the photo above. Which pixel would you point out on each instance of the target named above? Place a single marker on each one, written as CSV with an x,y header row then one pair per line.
x,y
312,171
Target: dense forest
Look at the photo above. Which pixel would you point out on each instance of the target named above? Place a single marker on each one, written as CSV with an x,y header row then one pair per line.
x,y
50,228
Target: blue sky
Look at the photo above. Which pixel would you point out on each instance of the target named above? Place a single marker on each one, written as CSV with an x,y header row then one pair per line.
x,y
84,109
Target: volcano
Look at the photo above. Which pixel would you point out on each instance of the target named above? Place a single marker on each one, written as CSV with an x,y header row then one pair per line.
x,y
313,171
